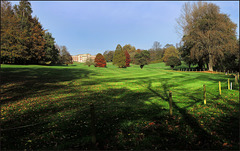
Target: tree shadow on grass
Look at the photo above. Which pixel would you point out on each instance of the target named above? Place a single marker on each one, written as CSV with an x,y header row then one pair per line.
x,y
204,139
18,83
123,121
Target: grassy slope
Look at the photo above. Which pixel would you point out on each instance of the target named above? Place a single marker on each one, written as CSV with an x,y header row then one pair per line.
x,y
131,108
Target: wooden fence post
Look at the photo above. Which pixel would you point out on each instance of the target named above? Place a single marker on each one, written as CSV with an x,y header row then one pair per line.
x,y
228,83
236,80
170,102
204,94
93,128
220,87
231,86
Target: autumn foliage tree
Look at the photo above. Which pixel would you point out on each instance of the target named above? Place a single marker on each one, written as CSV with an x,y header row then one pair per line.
x,y
127,59
169,52
100,61
131,50
23,39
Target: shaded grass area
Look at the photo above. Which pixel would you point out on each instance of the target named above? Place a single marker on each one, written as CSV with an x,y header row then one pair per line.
x,y
48,107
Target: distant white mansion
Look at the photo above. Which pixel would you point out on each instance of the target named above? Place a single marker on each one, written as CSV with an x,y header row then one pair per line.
x,y
82,57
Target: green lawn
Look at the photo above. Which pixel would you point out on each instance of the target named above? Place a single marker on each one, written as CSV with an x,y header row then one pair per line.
x,y
48,108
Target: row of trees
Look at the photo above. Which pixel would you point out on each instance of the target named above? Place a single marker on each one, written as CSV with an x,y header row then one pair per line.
x,y
23,39
120,58
123,56
209,40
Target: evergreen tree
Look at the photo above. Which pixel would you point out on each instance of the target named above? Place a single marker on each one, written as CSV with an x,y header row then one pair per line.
x,y
11,48
50,49
23,12
119,58
37,42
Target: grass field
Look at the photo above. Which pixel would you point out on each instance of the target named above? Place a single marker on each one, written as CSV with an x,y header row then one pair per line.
x,y
48,107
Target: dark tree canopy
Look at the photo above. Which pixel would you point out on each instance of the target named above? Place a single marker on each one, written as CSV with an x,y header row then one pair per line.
x,y
142,58
108,55
173,61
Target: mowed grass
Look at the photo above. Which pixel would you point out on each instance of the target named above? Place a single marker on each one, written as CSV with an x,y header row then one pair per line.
x,y
48,108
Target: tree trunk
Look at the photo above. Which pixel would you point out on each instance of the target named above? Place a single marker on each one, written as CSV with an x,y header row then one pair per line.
x,y
210,64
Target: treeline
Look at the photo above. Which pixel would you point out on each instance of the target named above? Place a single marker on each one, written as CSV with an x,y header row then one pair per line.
x,y
24,40
123,56
209,41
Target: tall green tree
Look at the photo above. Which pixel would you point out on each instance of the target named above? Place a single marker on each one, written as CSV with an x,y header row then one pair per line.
x,y
50,49
211,32
119,58
37,42
11,47
23,12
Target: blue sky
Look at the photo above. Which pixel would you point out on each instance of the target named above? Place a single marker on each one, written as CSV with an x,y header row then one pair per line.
x,y
94,27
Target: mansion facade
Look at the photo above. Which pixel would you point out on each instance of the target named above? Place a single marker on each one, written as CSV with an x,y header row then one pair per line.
x,y
83,57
